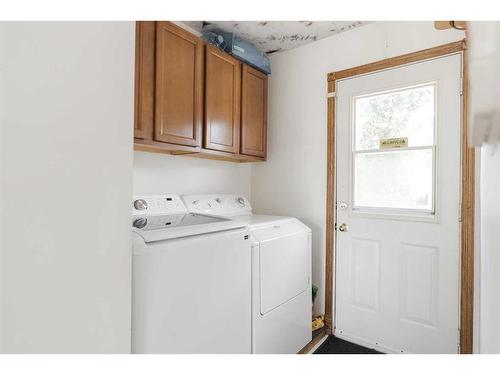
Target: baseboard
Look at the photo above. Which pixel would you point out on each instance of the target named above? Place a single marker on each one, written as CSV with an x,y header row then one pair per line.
x,y
319,337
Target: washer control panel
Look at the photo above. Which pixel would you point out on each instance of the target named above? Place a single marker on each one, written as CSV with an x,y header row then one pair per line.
x,y
158,205
218,204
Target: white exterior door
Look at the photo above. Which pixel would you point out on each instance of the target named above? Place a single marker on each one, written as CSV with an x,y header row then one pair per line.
x,y
398,207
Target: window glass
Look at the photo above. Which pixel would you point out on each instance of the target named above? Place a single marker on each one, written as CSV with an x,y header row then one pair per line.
x,y
403,113
388,171
400,179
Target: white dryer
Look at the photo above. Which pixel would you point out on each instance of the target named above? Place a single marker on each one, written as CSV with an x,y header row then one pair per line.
x,y
281,272
191,280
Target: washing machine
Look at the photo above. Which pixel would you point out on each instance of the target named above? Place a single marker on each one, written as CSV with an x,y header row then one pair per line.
x,y
281,272
191,274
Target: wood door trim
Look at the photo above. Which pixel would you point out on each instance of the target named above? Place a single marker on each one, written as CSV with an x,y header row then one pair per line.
x,y
467,228
467,186
396,61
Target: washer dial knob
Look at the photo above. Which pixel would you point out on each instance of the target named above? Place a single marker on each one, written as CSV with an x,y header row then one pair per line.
x,y
140,223
140,204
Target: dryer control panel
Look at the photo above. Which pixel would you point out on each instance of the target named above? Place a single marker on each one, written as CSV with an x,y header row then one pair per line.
x,y
218,204
158,205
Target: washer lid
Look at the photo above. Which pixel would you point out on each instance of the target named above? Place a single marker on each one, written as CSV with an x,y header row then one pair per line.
x,y
164,227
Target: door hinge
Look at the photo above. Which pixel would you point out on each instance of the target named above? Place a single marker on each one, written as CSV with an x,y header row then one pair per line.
x,y
460,212
331,95
461,86
458,341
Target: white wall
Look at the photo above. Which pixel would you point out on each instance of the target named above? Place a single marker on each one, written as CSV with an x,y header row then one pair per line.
x,y
293,180
159,173
66,114
490,250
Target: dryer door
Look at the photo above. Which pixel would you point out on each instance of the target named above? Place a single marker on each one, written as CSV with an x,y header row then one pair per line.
x,y
284,266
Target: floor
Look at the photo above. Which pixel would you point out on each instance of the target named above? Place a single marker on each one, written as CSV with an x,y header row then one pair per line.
x,y
334,345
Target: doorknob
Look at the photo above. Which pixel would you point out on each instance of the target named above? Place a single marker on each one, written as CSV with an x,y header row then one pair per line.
x,y
343,227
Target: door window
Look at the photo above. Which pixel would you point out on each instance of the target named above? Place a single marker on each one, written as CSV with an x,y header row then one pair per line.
x,y
394,150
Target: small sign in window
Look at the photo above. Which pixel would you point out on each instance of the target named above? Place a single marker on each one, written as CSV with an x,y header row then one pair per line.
x,y
393,142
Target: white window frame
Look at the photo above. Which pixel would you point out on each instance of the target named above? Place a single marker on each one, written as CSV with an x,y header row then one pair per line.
x,y
391,212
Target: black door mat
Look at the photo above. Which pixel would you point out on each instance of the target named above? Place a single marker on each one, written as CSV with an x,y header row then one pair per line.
x,y
334,345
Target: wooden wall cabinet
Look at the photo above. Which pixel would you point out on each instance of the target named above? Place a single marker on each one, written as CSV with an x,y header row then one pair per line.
x,y
168,88
179,86
222,101
253,112
144,81
193,98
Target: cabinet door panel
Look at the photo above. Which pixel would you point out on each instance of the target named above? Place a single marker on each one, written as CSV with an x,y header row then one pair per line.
x,y
144,79
222,101
179,86
253,112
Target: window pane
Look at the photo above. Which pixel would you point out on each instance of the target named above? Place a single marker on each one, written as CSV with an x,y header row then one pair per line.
x,y
404,113
395,179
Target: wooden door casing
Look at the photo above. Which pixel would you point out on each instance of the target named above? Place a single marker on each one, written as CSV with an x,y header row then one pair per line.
x,y
222,101
467,194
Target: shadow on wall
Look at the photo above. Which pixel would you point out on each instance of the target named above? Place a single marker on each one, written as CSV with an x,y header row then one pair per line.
x,y
169,174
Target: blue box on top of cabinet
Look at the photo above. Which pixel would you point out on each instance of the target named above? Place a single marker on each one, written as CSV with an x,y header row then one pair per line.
x,y
239,48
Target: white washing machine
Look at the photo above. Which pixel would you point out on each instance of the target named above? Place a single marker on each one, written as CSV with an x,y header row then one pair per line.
x,y
191,280
281,272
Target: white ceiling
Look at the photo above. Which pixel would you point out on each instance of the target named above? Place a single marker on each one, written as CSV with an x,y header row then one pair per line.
x,y
275,36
